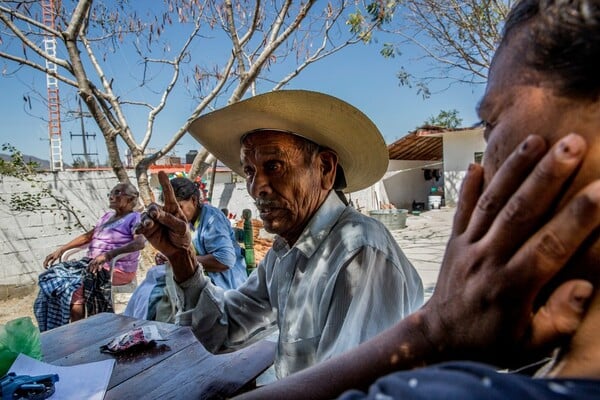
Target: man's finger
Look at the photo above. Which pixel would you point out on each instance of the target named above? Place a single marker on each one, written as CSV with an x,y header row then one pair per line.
x,y
147,223
170,205
526,208
545,253
146,226
157,214
172,222
505,183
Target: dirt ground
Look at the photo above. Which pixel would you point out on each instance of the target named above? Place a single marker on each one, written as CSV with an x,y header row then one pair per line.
x,y
12,308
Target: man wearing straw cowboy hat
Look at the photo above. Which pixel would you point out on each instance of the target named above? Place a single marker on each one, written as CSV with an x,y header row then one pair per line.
x,y
328,279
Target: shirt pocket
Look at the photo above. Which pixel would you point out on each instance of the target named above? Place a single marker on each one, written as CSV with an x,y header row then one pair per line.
x,y
299,353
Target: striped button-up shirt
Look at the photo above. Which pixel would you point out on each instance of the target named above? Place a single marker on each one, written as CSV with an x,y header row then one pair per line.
x,y
344,281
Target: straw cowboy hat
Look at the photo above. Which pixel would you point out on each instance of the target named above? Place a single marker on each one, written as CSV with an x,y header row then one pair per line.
x,y
323,119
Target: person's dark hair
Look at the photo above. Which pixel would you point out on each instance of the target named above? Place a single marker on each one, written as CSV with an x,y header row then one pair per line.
x,y
563,42
185,188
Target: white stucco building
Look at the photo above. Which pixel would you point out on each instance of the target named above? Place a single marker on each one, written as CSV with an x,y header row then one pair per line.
x,y
430,160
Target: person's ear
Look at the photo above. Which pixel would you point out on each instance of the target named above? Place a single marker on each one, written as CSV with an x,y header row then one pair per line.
x,y
328,160
560,317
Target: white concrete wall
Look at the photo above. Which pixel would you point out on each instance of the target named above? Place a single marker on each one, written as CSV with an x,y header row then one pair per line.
x,y
406,182
459,152
403,183
26,238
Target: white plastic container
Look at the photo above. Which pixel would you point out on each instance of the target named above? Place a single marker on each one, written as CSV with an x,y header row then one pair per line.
x,y
434,202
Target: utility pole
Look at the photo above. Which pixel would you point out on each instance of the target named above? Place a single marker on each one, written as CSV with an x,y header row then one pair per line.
x,y
86,155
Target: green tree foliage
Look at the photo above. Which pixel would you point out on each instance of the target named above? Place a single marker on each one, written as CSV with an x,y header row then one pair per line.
x,y
445,119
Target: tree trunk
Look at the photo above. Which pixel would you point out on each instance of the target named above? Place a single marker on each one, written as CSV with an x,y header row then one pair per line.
x,y
202,162
212,180
115,160
141,174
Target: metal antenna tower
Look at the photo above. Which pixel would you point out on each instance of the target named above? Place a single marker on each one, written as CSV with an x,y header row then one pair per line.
x,y
54,128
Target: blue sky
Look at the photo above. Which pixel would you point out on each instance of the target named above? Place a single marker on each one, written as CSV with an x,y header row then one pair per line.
x,y
358,75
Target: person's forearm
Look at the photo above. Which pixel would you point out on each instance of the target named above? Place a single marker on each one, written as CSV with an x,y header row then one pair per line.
x,y
79,241
188,292
359,368
135,245
184,264
211,264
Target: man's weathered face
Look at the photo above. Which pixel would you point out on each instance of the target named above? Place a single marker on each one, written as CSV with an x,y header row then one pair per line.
x,y
519,102
286,183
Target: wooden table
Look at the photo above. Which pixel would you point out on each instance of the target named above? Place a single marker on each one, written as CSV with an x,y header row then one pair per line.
x,y
179,368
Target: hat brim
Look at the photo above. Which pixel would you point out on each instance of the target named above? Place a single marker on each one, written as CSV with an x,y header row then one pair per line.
x,y
323,119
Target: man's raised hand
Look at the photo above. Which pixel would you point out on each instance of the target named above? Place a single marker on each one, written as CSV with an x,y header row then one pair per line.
x,y
167,230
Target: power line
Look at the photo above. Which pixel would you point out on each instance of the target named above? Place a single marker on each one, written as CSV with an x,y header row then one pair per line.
x,y
84,136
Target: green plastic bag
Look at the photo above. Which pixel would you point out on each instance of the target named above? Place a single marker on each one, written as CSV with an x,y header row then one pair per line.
x,y
18,336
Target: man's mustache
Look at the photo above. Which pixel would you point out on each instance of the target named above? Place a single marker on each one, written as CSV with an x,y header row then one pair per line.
x,y
262,203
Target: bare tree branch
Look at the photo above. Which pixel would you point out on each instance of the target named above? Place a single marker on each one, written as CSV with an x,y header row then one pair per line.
x,y
29,44
38,67
457,37
127,57
163,101
28,20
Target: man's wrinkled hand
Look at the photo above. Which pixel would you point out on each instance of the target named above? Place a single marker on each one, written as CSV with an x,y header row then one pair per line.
x,y
159,259
166,228
52,258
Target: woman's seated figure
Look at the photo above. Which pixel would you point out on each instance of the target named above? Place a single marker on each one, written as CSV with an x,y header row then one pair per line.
x,y
113,235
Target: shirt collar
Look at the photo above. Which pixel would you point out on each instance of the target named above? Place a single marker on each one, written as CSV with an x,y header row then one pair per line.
x,y
318,227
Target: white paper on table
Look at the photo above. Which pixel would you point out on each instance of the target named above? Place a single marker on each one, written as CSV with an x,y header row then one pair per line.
x,y
83,381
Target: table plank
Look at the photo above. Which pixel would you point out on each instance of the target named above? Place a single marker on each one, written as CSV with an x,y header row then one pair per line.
x,y
179,367
100,328
130,365
187,375
64,340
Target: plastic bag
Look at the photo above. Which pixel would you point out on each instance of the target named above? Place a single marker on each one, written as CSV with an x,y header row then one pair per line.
x,y
18,336
137,337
